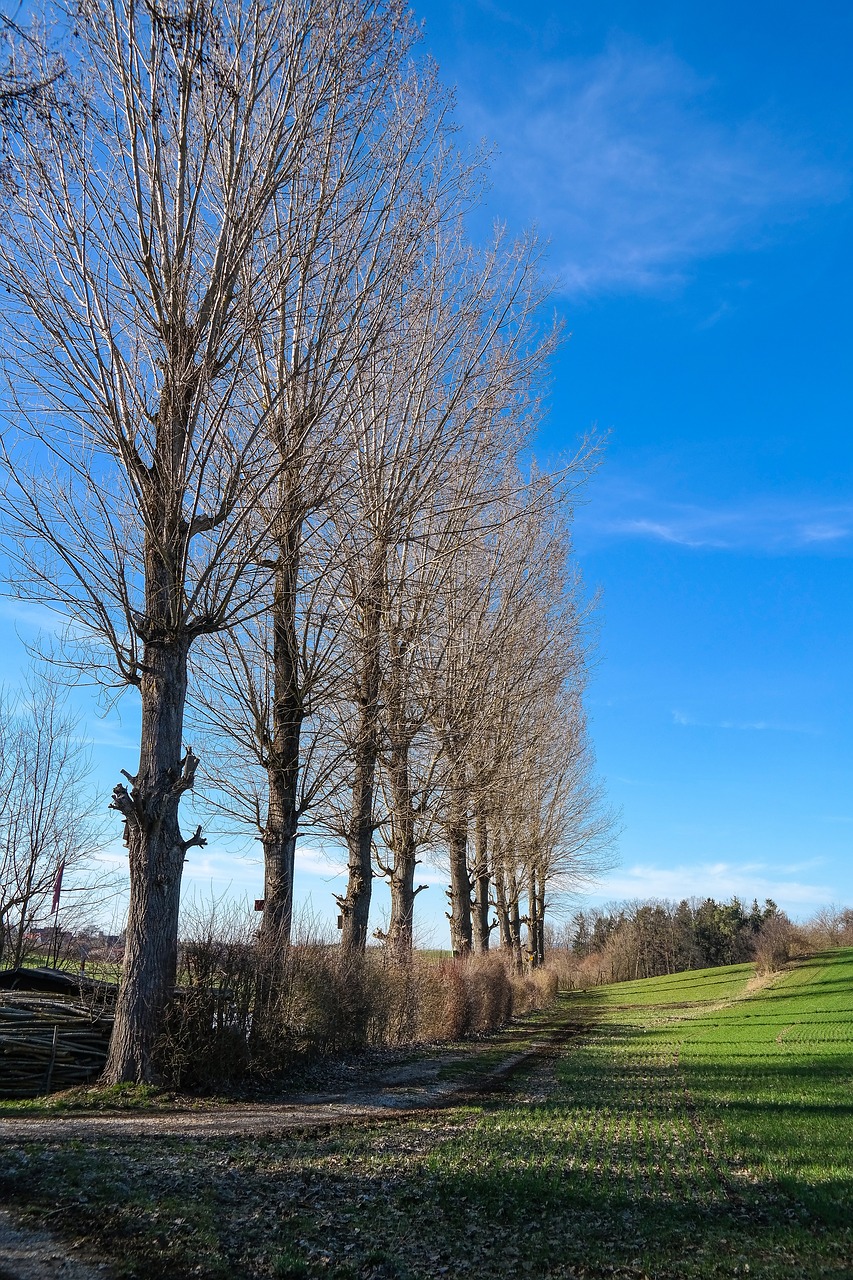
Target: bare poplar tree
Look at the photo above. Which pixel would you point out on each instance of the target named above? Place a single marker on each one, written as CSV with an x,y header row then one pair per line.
x,y
408,757
568,837
540,800
470,642
131,259
515,645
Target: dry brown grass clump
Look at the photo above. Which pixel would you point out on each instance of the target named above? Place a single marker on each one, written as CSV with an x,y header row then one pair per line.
x,y
244,1011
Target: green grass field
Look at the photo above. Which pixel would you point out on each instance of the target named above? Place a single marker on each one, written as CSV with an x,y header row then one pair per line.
x,y
698,1126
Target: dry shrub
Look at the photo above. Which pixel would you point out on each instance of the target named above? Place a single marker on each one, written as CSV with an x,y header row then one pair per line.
x,y
243,1009
545,985
206,1032
314,999
402,985
773,944
594,970
566,966
439,1000
329,1002
491,995
830,927
534,989
454,1011
457,998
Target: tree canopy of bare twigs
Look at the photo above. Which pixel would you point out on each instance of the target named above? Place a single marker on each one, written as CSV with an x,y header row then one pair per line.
x,y
34,86
50,825
344,228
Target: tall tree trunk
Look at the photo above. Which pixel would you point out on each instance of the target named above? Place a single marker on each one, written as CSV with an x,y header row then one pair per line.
x,y
481,883
536,918
532,916
400,936
355,904
403,850
461,938
279,845
279,834
501,903
540,917
156,852
508,909
514,913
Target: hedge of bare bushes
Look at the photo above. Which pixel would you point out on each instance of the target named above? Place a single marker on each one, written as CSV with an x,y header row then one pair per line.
x,y
245,1013
776,941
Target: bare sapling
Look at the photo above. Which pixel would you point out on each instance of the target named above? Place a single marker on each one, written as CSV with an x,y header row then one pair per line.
x,y
50,828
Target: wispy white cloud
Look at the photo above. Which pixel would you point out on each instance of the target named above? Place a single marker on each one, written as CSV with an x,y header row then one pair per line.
x,y
212,865
330,864
327,865
627,509
628,167
720,880
110,733
33,616
773,726
826,531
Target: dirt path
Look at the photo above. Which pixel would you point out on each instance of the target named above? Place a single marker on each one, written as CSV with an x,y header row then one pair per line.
x,y
37,1255
417,1085
414,1088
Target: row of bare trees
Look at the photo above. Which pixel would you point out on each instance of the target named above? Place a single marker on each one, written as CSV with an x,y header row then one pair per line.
x,y
268,414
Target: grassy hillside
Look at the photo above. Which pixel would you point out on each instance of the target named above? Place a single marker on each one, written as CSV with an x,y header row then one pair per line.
x,y
696,1126
726,1102
779,1067
769,1066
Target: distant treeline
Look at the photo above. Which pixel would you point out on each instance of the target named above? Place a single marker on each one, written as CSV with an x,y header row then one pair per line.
x,y
647,939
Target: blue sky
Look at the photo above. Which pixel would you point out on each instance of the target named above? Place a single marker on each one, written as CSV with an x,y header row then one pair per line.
x,y
690,167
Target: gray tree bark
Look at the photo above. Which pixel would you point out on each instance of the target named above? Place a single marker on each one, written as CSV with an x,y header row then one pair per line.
x,y
399,939
155,845
156,852
482,931
283,758
536,917
461,937
355,904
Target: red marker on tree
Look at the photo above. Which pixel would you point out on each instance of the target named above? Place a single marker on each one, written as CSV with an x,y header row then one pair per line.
x,y
57,888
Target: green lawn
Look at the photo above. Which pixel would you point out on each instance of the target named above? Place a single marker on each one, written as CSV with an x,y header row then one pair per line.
x,y
699,1127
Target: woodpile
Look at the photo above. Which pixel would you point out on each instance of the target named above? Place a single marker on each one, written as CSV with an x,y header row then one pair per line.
x,y
49,1042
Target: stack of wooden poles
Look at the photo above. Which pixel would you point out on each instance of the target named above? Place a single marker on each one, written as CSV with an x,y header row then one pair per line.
x,y
49,1042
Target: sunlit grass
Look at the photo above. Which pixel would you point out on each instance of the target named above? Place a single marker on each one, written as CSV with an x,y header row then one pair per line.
x,y
694,987
779,1066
